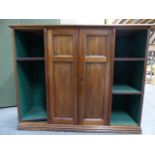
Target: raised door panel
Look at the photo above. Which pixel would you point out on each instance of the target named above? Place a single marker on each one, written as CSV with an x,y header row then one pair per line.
x,y
63,76
94,76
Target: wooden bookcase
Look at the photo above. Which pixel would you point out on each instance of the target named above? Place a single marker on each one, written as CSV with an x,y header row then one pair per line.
x,y
80,78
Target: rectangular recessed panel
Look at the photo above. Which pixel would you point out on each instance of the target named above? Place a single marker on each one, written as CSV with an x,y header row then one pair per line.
x,y
64,89
95,59
94,90
95,45
63,44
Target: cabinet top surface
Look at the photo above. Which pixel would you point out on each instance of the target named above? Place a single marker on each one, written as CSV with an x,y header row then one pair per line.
x,y
80,26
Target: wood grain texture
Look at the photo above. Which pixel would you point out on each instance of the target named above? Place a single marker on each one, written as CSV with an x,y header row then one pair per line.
x,y
63,76
62,44
15,74
95,59
46,73
61,26
94,73
79,128
111,76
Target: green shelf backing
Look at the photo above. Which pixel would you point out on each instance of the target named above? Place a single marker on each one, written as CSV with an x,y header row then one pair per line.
x,y
36,113
119,118
124,89
31,74
31,89
131,104
131,43
29,43
128,76
129,73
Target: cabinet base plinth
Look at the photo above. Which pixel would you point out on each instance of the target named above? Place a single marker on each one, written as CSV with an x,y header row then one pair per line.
x,y
79,128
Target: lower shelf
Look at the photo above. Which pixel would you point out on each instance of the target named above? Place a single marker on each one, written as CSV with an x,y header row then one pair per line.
x,y
119,118
36,113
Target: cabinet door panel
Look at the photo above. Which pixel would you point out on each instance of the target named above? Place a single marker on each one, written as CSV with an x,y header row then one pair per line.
x,y
63,76
94,76
64,89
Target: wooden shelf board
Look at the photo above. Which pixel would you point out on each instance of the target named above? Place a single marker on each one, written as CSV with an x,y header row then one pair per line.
x,y
129,59
30,59
119,118
124,89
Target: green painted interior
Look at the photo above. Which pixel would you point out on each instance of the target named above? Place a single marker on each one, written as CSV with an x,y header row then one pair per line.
x,y
128,77
125,109
124,89
7,81
29,44
130,43
31,75
121,118
31,89
129,73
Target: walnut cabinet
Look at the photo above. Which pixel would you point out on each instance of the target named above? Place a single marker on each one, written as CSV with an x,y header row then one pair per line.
x,y
80,78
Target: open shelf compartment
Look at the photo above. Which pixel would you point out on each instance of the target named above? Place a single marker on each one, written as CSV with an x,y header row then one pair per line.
x,y
128,77
31,90
130,43
125,110
36,113
29,44
122,118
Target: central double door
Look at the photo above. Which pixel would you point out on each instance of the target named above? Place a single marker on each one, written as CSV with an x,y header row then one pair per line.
x,y
79,67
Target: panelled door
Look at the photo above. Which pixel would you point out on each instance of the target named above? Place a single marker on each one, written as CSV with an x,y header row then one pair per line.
x,y
62,70
94,75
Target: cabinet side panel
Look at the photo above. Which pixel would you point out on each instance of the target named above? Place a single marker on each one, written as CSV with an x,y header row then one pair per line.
x,y
15,74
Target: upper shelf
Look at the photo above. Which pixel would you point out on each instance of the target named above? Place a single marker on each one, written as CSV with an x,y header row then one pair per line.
x,y
30,59
129,59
